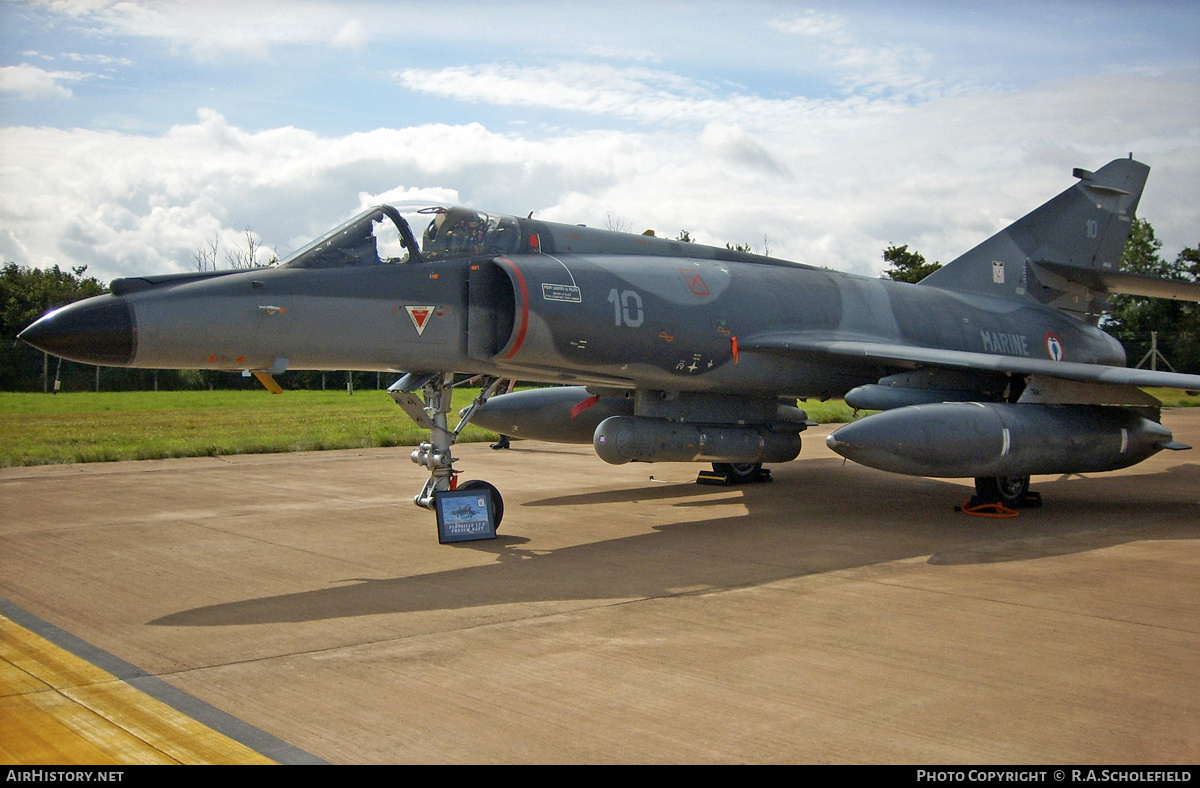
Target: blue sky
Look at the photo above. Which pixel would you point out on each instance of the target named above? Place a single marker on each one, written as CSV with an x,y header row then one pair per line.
x,y
131,132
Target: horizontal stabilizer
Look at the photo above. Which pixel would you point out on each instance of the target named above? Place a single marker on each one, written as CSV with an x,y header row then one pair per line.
x,y
1104,281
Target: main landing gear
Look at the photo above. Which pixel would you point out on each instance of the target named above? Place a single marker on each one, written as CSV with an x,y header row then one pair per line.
x,y
1008,490
1001,496
430,412
727,474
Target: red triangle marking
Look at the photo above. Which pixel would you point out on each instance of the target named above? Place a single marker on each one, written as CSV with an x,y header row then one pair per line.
x,y
420,317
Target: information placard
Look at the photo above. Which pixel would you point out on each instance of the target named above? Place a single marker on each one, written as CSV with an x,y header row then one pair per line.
x,y
464,515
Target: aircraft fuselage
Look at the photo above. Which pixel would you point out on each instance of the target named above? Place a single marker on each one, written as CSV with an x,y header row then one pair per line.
x,y
647,322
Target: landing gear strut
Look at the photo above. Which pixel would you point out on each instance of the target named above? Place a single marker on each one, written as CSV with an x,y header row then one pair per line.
x,y
430,414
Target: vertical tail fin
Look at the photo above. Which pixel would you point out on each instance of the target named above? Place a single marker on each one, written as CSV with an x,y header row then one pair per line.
x,y
1047,254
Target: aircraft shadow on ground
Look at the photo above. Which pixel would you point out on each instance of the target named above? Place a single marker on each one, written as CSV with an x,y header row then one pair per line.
x,y
847,520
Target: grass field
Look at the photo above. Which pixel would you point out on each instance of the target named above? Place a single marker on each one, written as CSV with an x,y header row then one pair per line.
x,y
38,429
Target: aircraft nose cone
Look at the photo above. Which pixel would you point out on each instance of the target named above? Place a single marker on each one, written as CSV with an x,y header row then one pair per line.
x,y
95,331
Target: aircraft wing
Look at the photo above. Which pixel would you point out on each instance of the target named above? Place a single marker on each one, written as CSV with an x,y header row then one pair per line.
x,y
912,356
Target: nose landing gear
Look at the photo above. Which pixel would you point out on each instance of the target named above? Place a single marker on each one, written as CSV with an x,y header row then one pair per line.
x,y
429,411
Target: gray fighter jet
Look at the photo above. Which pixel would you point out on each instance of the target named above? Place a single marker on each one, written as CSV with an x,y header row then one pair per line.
x,y
992,368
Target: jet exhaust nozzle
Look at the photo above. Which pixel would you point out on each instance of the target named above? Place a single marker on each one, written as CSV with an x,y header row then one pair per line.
x,y
975,439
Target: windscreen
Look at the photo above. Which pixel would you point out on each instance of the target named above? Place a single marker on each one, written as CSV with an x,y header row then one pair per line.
x,y
378,236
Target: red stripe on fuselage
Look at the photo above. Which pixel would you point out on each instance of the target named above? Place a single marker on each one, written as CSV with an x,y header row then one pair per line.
x,y
524,305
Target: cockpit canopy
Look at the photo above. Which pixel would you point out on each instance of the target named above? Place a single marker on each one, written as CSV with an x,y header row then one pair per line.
x,y
382,236
462,232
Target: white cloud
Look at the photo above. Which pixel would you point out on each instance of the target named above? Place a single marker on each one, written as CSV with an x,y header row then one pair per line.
x,y
812,24
352,35
405,194
124,203
29,81
214,31
592,88
827,182
884,68
99,59
731,143
638,94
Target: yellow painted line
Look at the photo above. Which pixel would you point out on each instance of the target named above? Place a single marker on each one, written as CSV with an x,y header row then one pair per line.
x,y
56,708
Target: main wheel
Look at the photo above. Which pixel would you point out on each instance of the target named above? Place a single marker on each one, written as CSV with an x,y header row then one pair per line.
x,y
497,501
1008,490
738,472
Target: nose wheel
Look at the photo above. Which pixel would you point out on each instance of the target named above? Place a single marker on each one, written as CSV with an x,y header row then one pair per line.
x,y
430,411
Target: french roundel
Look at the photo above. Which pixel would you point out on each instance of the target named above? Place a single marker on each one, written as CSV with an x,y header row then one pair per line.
x,y
1054,347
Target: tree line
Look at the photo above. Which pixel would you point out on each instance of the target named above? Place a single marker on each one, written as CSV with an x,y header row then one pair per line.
x,y
1134,319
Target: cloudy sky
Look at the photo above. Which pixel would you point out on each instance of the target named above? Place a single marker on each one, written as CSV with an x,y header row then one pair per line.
x,y
130,132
